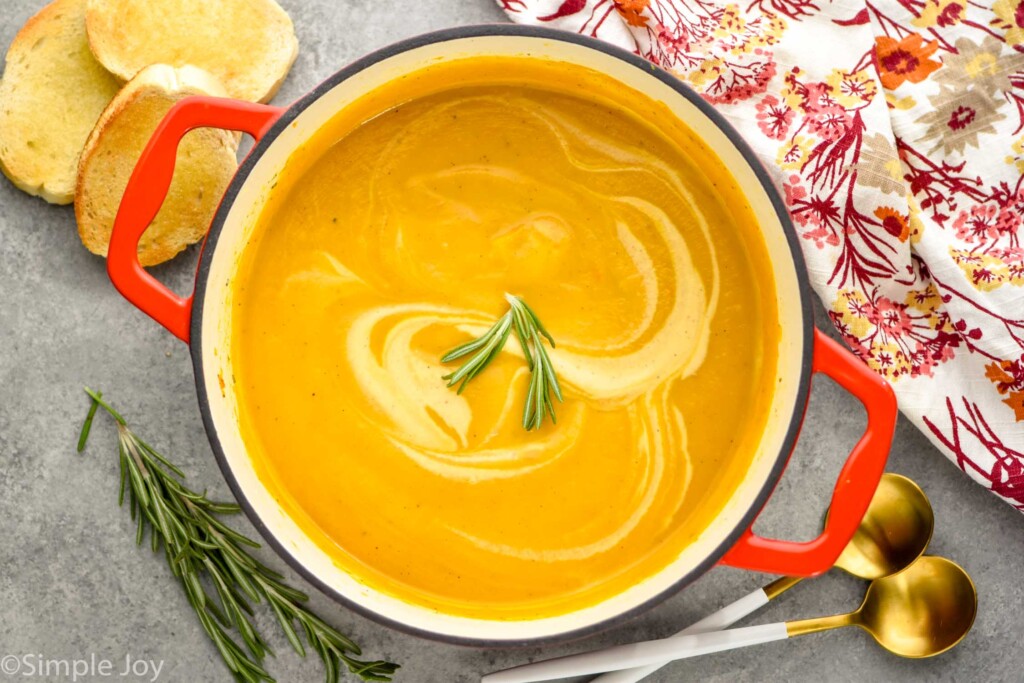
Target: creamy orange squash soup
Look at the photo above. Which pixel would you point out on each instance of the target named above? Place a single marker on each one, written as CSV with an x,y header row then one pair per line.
x,y
393,236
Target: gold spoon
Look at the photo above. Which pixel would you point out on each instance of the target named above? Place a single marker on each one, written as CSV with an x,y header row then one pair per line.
x,y
895,531
921,611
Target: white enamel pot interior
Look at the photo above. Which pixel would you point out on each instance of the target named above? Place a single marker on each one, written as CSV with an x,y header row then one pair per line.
x,y
211,326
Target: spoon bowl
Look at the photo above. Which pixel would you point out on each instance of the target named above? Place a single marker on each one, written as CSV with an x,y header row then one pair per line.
x,y
922,611
895,530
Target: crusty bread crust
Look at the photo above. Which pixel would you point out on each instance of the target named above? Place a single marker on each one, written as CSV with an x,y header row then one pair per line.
x,y
206,162
52,92
249,45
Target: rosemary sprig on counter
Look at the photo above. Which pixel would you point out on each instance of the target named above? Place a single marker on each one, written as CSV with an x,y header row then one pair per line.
x,y
529,330
198,545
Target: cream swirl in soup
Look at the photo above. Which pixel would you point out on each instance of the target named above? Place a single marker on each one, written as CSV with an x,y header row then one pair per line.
x,y
397,238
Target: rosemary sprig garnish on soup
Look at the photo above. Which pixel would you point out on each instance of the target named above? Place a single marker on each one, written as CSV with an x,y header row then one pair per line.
x,y
197,545
530,331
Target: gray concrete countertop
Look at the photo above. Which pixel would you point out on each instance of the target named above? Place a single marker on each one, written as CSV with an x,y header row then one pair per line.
x,y
73,585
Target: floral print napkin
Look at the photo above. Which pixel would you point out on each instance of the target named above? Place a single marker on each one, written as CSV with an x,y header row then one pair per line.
x,y
895,131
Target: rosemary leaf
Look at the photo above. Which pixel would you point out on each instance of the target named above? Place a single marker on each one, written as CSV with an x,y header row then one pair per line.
x,y
536,321
87,426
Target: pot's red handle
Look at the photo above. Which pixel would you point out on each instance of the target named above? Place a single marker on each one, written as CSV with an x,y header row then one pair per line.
x,y
145,193
857,481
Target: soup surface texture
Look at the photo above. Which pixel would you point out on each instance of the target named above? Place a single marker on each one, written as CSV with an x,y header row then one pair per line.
x,y
392,236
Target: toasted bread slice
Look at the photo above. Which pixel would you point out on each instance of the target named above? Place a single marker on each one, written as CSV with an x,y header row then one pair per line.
x,y
249,45
51,94
206,162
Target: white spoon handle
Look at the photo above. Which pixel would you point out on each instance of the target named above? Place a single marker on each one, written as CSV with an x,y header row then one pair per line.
x,y
640,654
716,621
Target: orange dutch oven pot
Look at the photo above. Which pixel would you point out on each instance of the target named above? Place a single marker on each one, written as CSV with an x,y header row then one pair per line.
x,y
202,320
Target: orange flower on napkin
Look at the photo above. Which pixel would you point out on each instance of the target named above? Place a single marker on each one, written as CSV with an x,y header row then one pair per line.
x,y
1008,376
894,222
632,11
905,60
